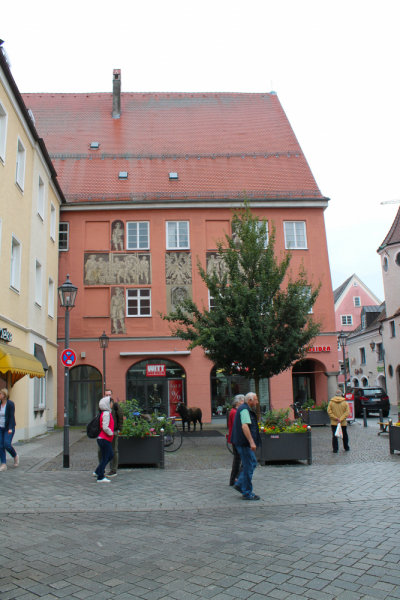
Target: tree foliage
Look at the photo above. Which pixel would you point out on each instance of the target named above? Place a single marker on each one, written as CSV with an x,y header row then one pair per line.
x,y
260,323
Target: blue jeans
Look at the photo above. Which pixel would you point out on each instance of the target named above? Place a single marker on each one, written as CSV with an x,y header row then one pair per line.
x,y
106,455
249,463
5,444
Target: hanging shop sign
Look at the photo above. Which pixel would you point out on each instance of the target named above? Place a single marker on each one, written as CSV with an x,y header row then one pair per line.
x,y
380,369
5,335
320,349
156,371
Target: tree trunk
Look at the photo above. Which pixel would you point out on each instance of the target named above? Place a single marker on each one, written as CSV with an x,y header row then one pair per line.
x,y
257,388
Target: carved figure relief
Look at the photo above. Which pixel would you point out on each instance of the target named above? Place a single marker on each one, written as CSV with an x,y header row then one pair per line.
x,y
178,268
117,235
216,264
117,310
177,295
103,269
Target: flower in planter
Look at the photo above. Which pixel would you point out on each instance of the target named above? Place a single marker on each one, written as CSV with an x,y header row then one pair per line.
x,y
277,421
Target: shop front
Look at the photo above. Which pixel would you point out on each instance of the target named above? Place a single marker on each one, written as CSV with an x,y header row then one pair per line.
x,y
85,392
225,387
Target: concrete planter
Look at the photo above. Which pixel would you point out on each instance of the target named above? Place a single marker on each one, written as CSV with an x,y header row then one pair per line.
x,y
316,417
394,438
141,451
285,446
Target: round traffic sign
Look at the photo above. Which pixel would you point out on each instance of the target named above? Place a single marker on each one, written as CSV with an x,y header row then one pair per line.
x,y
68,358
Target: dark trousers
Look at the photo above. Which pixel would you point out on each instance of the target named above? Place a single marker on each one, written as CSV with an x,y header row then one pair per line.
x,y
335,440
114,446
106,455
249,463
236,465
5,444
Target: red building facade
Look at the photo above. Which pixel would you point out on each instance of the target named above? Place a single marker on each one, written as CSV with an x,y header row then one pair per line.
x,y
150,182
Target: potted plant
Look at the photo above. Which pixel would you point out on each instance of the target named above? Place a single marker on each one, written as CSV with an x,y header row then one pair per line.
x,y
315,414
141,440
283,439
394,437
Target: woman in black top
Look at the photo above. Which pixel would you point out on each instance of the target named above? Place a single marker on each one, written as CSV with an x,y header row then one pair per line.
x,y
7,429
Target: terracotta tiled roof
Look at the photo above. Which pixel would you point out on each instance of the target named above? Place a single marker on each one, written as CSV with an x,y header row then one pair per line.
x,y
218,143
393,237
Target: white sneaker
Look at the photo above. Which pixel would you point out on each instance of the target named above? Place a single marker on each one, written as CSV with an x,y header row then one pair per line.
x,y
16,461
104,480
94,474
3,467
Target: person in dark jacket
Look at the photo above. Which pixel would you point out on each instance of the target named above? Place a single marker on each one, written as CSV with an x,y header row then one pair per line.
x,y
7,429
246,437
118,419
236,463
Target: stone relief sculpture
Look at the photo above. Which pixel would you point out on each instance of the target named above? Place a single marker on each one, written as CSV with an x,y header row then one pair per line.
x,y
117,235
177,295
178,268
117,310
216,264
103,269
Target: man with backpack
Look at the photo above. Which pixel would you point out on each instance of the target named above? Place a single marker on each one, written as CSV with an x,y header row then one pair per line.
x,y
118,418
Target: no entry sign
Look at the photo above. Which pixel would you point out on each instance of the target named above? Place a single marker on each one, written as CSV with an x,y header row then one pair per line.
x,y
68,358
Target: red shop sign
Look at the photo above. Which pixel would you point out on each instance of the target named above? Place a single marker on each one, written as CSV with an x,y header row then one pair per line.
x,y
155,371
319,349
175,393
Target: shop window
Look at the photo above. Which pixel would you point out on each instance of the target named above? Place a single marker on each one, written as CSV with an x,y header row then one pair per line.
x,y
177,235
137,235
63,237
295,235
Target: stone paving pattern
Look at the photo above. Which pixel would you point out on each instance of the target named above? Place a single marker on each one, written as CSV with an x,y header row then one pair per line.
x,y
326,531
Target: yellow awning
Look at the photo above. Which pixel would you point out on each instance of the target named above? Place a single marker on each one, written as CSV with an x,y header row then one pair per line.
x,y
19,363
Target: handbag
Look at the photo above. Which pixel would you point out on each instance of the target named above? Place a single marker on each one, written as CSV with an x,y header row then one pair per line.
x,y
339,432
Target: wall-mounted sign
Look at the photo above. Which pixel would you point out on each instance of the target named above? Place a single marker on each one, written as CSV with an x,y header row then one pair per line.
x,y
155,371
319,349
5,335
380,369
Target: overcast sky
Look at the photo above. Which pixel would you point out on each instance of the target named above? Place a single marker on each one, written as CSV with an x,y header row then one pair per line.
x,y
334,64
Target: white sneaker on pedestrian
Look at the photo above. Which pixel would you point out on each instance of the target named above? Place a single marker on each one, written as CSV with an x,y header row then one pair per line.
x,y
16,460
94,474
3,467
104,480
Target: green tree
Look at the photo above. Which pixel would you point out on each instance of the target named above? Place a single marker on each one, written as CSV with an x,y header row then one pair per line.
x,y
260,322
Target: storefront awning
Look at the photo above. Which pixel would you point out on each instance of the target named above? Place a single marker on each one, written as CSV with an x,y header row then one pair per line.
x,y
19,363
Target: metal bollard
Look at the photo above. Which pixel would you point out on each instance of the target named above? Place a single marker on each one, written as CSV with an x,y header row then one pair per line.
x,y
381,420
162,462
365,417
309,446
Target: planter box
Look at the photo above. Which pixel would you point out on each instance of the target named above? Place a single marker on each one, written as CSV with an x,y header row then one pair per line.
x,y
285,446
141,451
394,438
316,417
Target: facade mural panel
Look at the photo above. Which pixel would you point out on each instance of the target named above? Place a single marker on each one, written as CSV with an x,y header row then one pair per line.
x,y
117,310
117,235
103,269
215,264
178,278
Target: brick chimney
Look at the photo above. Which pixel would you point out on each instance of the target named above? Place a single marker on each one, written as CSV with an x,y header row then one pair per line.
x,y
116,107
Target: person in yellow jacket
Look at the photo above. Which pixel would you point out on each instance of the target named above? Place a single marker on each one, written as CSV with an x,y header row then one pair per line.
x,y
338,410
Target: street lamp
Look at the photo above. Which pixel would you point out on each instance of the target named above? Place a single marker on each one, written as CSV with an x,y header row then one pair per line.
x,y
342,339
103,339
67,293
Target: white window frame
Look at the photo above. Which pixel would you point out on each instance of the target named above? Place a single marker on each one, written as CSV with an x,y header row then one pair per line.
x,y
267,232
39,388
138,290
3,133
15,272
20,165
50,299
392,329
41,198
355,298
137,247
385,261
38,283
209,301
362,353
379,345
177,247
363,321
346,317
354,283
53,222
288,245
61,224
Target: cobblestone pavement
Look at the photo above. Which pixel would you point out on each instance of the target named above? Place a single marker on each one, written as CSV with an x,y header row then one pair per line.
x,y
323,532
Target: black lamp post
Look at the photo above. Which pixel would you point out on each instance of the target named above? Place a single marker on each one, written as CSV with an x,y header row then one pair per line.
x,y
67,293
103,339
342,339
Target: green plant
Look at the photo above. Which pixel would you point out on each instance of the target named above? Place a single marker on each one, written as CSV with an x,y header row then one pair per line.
x,y
312,405
277,421
140,426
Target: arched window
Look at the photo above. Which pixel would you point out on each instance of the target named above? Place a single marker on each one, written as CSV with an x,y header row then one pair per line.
x,y
355,382
225,387
85,392
364,382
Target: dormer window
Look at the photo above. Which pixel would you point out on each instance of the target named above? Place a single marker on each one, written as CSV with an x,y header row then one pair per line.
x,y
94,145
363,321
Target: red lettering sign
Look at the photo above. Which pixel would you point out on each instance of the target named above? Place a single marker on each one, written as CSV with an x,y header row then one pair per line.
x,y
175,394
155,371
319,349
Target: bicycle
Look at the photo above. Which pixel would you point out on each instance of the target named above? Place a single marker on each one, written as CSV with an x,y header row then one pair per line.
x,y
297,410
173,437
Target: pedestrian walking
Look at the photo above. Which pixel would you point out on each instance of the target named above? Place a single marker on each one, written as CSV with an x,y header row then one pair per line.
x,y
246,437
118,418
338,410
105,438
236,463
7,429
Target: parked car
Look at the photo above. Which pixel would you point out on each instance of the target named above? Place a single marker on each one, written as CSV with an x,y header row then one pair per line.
x,y
373,399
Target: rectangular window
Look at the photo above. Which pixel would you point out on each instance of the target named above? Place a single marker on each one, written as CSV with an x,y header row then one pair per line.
x,y
41,199
50,308
362,356
138,303
53,222
211,304
137,235
357,301
178,235
355,283
295,234
363,321
379,352
20,167
38,284
39,393
15,279
347,319
63,237
392,329
3,133
266,236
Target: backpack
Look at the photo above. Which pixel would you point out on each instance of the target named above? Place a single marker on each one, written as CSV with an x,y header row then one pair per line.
x,y
93,427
